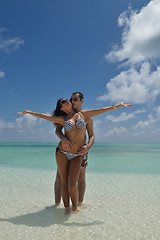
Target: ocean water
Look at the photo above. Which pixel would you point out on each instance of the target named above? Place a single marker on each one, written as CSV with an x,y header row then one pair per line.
x,y
121,199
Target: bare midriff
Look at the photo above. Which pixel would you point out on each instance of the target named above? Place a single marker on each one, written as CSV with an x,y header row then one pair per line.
x,y
77,138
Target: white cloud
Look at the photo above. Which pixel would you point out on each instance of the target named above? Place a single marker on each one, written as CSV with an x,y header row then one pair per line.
x,y
124,116
4,124
140,83
97,126
141,35
158,113
27,127
2,74
3,29
9,44
140,43
134,86
146,124
26,122
157,131
116,131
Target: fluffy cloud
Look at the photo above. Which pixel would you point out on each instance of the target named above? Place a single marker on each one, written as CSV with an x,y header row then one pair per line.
x,y
9,44
134,86
146,124
124,116
27,127
158,113
2,74
2,124
116,131
141,35
21,124
140,43
5,125
97,126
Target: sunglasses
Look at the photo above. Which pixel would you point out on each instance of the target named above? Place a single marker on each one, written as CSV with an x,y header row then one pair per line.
x,y
74,99
63,101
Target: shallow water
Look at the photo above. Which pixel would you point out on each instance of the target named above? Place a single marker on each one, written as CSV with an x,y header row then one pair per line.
x,y
122,195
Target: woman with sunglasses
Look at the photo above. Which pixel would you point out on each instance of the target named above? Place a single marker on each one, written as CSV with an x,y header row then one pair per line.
x,y
69,163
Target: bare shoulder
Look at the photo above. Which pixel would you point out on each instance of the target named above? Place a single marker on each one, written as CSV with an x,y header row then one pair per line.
x,y
88,113
89,120
86,118
84,113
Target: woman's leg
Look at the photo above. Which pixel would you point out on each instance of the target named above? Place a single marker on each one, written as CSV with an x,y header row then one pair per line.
x,y
62,163
81,185
57,188
73,174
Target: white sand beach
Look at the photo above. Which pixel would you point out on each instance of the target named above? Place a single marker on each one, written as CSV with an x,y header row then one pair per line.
x,y
123,207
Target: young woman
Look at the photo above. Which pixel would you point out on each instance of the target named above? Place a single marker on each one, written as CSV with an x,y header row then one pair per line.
x,y
69,163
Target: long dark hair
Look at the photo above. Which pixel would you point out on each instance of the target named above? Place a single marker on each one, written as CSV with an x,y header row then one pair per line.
x,y
58,111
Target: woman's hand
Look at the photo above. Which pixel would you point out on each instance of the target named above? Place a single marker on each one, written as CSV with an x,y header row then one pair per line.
x,y
66,145
126,105
23,113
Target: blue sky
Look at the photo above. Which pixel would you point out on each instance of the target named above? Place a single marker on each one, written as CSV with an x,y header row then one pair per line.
x,y
109,50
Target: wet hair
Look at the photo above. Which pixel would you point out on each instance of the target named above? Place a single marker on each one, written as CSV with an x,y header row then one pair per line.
x,y
80,95
58,111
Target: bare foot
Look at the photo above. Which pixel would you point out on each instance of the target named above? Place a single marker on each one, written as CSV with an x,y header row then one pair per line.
x,y
82,205
52,206
67,210
75,210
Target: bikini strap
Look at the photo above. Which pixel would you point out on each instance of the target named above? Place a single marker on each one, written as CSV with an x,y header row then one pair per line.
x,y
79,114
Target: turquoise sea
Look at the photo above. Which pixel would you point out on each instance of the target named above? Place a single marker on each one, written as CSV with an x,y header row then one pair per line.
x,y
103,157
122,195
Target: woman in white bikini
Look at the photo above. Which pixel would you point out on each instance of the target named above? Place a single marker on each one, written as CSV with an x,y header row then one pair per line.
x,y
69,163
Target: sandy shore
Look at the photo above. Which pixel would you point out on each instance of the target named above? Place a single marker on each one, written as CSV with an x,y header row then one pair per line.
x,y
118,207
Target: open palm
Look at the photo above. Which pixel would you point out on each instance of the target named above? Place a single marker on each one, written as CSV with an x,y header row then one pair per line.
x,y
126,105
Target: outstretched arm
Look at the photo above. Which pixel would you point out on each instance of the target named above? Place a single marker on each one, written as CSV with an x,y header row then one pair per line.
x,y
66,145
47,117
95,112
